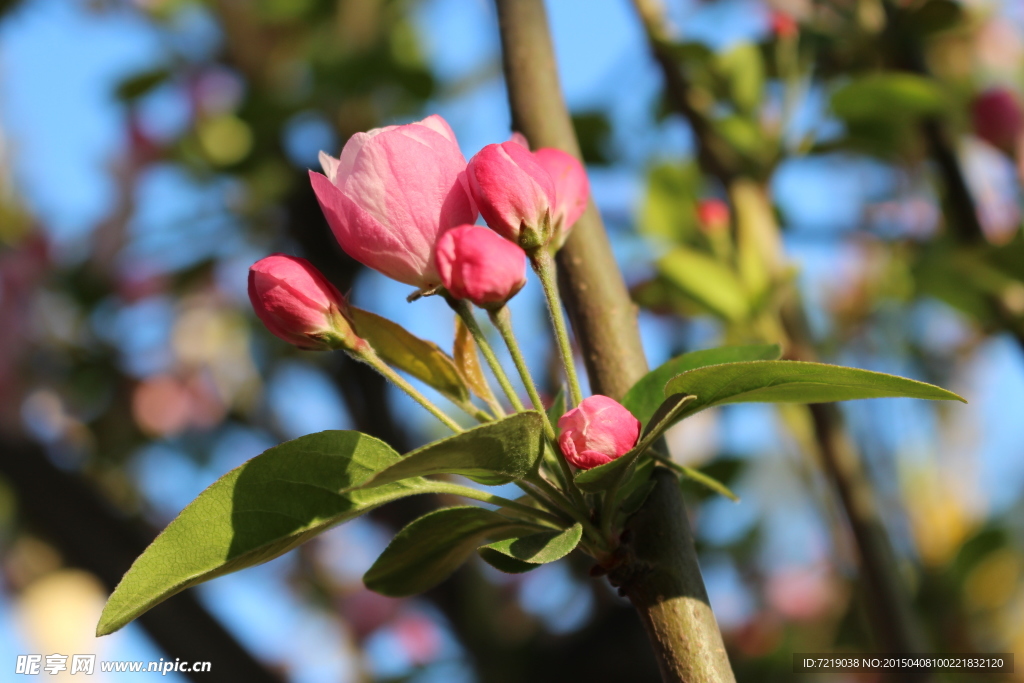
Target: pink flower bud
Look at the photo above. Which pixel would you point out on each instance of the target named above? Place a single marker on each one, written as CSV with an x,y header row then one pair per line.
x,y
572,189
514,192
784,25
998,119
519,139
298,304
596,432
391,194
477,264
713,215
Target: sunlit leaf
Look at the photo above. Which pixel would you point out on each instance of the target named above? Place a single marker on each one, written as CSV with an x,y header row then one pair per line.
x,y
422,359
254,513
780,381
494,453
540,547
644,397
888,96
743,69
707,280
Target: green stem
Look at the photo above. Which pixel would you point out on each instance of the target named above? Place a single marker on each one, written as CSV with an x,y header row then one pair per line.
x,y
462,309
544,265
444,487
479,414
370,357
502,320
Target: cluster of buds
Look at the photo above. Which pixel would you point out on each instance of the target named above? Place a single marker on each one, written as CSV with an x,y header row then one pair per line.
x,y
403,201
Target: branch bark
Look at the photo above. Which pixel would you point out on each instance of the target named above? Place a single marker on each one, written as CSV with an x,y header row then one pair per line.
x,y
661,576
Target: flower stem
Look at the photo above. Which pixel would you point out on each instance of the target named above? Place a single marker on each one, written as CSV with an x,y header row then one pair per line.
x,y
366,354
462,309
544,265
502,320
444,487
479,414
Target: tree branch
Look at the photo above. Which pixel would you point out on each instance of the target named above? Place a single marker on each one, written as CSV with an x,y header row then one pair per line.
x,y
664,581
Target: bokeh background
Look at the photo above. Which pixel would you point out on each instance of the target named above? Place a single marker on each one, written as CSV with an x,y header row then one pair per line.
x,y
151,150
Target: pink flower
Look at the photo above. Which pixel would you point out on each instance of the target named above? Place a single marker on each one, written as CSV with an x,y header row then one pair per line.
x,y
998,119
713,214
596,432
477,264
297,303
572,189
514,192
392,193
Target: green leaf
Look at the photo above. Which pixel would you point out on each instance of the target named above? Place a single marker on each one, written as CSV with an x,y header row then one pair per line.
x,y
644,397
494,453
504,563
669,210
743,69
422,359
664,417
706,280
541,547
709,482
742,134
254,513
887,97
785,381
430,548
604,477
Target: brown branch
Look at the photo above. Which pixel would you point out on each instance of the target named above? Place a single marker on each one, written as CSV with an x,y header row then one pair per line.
x,y
664,581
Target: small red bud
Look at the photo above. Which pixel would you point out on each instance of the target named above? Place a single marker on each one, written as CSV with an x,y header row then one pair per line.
x,y
597,431
784,25
713,215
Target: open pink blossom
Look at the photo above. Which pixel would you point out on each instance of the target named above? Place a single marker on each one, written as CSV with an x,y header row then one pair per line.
x,y
597,431
297,303
514,192
477,264
392,193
